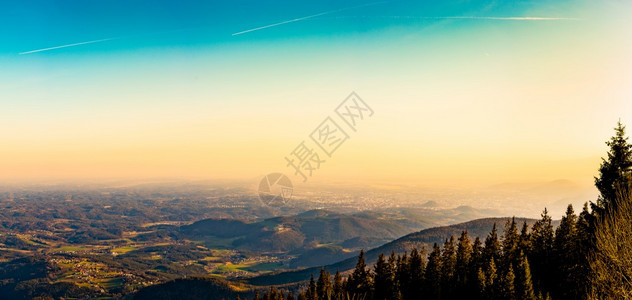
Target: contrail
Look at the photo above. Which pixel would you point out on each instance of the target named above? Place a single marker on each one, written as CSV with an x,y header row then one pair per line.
x,y
307,17
285,22
65,46
512,18
469,17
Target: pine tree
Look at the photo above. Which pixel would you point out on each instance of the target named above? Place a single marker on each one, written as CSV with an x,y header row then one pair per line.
x,y
311,289
359,282
492,245
383,279
524,241
324,288
614,172
392,264
524,282
565,254
510,243
338,286
463,258
481,284
402,274
432,285
583,247
491,281
416,266
506,285
476,269
448,268
542,251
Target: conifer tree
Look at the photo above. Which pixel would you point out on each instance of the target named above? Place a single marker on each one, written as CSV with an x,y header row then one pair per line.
x,y
524,282
583,248
566,257
481,287
392,264
432,279
383,279
524,241
311,289
402,273
359,282
338,288
448,268
541,255
615,172
491,281
416,266
463,258
510,243
324,287
492,245
506,284
475,268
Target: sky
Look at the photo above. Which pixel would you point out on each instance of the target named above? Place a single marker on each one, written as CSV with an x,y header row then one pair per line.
x,y
462,92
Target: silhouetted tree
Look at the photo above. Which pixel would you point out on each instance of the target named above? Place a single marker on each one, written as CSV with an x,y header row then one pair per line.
x,y
492,245
541,255
463,258
615,171
510,244
324,288
359,282
565,249
392,264
433,273
402,275
506,285
311,289
477,284
524,282
338,286
491,281
383,279
524,241
416,266
448,268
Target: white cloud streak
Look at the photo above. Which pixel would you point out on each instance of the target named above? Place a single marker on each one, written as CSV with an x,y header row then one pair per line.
x,y
306,17
468,17
285,22
511,18
65,46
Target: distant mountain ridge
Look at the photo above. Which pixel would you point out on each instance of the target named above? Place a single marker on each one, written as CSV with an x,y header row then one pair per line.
x,y
295,278
365,229
423,239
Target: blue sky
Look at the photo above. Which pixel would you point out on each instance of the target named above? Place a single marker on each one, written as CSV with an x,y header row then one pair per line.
x,y
140,24
469,90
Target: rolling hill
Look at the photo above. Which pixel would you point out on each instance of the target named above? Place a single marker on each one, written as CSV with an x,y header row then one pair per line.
x,y
317,228
423,239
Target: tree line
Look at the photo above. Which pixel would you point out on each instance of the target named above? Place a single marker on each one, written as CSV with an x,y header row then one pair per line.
x,y
588,256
